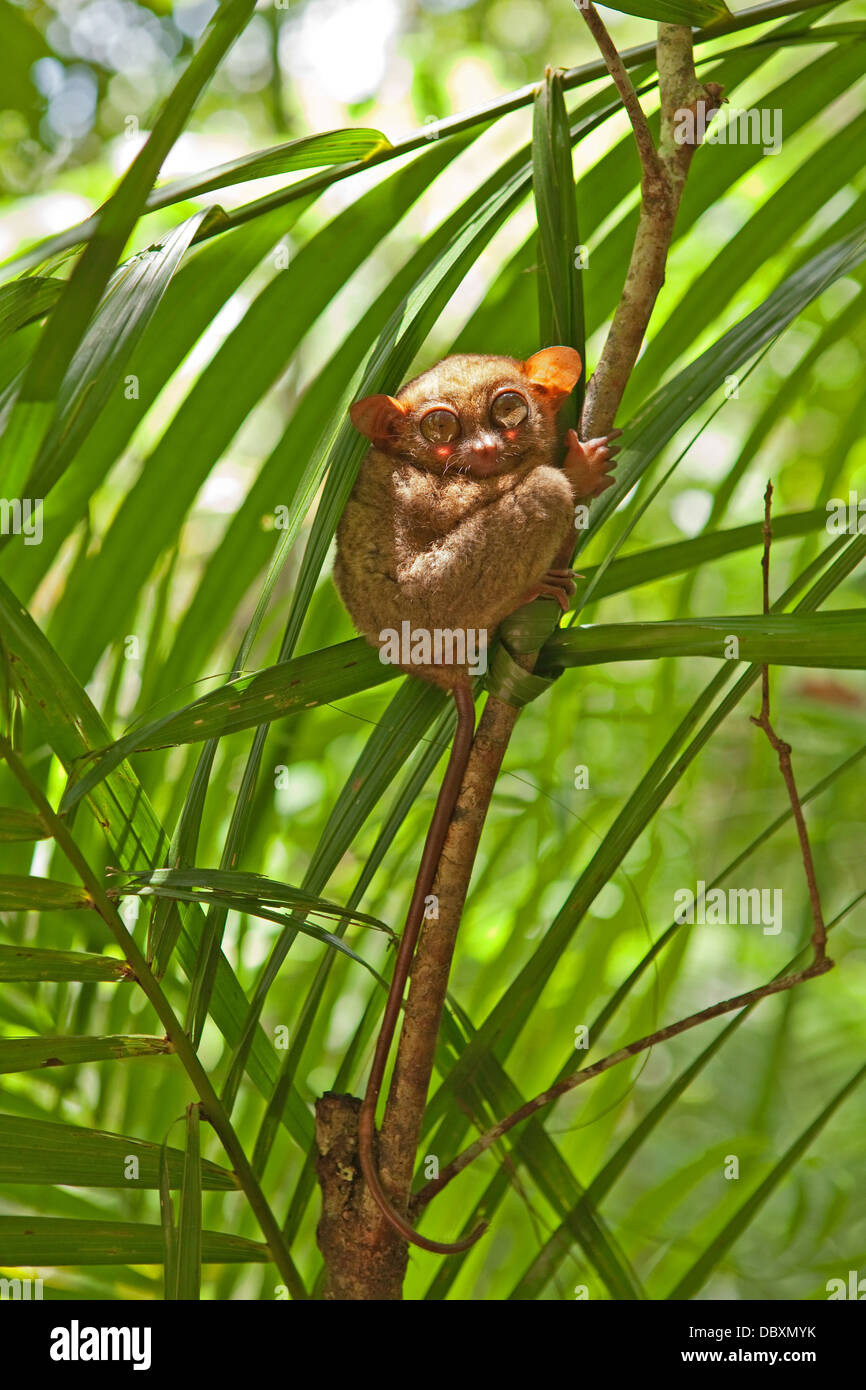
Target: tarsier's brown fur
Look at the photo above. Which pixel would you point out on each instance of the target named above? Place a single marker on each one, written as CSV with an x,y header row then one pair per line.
x,y
455,536
459,542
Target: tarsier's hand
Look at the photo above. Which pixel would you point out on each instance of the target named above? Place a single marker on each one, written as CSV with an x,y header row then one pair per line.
x,y
586,465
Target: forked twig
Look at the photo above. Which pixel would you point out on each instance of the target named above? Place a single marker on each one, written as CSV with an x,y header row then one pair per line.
x,y
820,963
650,162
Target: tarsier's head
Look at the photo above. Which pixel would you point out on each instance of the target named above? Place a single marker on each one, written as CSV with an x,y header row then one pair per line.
x,y
481,416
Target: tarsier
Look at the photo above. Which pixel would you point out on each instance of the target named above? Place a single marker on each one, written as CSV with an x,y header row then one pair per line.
x,y
457,518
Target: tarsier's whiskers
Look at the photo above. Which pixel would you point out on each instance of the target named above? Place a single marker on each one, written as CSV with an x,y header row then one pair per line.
x,y
458,514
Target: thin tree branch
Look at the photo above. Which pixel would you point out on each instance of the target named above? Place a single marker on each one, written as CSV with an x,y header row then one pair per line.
x,y
578,1078
429,982
649,159
681,95
783,752
819,966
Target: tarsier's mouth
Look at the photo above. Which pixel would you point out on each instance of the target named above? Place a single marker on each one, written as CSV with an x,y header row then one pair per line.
x,y
483,467
477,465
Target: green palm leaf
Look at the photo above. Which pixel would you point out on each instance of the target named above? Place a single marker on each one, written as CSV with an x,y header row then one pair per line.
x,y
47,1152
20,893
34,963
25,1054
20,825
836,640
44,1240
310,152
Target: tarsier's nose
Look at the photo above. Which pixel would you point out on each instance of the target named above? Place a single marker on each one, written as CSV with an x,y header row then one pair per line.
x,y
484,447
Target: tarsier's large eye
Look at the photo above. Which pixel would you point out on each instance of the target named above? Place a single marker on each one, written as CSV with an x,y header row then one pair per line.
x,y
509,409
440,426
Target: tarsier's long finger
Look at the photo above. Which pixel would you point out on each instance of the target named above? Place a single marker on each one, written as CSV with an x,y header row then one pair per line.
x,y
556,591
559,580
612,449
572,437
601,447
603,484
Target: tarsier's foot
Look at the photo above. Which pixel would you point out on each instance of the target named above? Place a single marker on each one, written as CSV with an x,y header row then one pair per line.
x,y
558,584
588,464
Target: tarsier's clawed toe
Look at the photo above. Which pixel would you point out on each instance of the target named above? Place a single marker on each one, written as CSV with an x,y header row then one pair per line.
x,y
587,463
558,584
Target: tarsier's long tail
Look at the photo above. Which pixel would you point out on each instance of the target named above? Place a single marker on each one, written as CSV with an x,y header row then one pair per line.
x,y
445,803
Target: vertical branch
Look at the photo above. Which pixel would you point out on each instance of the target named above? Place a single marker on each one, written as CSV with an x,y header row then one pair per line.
x,y
663,174
429,983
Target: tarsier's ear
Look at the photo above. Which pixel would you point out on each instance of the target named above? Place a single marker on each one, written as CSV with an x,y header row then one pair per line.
x,y
555,371
375,416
